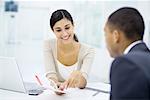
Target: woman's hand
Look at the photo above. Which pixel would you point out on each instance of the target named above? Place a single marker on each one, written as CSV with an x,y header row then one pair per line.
x,y
76,79
58,86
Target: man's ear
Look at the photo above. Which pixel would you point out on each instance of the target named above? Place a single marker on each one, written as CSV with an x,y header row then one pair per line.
x,y
116,36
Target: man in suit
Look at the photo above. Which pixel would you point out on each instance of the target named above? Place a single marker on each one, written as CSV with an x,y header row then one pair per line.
x,y
130,70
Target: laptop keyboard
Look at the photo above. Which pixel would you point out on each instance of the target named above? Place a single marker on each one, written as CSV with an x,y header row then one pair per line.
x,y
33,88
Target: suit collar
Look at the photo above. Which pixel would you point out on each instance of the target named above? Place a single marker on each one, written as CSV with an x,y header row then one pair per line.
x,y
140,47
131,46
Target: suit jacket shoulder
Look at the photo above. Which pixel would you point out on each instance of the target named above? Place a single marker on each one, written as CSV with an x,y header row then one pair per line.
x,y
130,75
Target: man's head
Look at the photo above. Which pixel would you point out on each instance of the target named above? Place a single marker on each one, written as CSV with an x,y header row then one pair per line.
x,y
123,27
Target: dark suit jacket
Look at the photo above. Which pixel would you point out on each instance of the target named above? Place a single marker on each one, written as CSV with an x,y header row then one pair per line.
x,y
130,75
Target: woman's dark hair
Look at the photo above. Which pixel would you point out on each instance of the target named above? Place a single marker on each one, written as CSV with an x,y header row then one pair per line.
x,y
130,21
60,14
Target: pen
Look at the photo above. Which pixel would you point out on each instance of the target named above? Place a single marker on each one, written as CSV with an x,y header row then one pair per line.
x,y
38,80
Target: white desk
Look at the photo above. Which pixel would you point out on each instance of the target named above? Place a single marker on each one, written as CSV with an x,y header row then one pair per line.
x,y
72,94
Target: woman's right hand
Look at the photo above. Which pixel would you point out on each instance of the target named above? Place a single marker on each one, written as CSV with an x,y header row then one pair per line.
x,y
59,84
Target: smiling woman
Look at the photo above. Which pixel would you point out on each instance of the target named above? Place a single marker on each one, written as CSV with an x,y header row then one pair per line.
x,y
66,22
67,61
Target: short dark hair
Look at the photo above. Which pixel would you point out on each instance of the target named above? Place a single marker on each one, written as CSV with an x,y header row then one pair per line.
x,y
60,14
129,21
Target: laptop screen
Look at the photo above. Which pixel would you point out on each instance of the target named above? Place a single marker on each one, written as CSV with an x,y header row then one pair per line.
x,y
10,76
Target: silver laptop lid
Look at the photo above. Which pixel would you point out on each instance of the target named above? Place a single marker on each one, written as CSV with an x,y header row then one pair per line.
x,y
10,76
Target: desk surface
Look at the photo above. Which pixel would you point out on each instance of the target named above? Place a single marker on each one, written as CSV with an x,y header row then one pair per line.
x,y
72,94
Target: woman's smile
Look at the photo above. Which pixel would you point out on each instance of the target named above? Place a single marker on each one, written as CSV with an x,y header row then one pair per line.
x,y
66,37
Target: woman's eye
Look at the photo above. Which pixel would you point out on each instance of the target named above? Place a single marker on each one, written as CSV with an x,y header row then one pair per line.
x,y
67,28
58,30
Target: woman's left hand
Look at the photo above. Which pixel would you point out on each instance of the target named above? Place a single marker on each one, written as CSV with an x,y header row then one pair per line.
x,y
76,79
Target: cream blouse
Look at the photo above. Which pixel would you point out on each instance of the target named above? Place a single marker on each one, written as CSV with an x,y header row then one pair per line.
x,y
85,59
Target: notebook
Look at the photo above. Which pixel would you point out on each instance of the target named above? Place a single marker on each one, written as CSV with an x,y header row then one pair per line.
x,y
11,78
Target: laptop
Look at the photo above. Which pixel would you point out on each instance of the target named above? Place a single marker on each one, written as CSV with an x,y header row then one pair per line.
x,y
11,78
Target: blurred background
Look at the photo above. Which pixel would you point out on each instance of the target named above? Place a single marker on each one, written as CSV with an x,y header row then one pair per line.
x,y
25,24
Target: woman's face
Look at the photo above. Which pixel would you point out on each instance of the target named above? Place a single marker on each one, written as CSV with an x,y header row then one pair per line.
x,y
64,31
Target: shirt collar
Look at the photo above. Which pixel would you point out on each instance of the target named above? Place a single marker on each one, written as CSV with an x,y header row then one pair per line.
x,y
131,46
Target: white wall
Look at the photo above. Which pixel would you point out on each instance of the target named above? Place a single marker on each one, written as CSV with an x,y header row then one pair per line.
x,y
1,26
101,66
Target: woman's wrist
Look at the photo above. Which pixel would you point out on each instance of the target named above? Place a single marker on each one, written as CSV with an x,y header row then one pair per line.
x,y
82,82
54,79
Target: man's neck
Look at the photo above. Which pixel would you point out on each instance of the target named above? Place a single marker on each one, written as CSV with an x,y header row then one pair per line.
x,y
123,46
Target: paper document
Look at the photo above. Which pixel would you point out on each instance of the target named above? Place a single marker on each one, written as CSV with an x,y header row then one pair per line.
x,y
99,87
52,86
